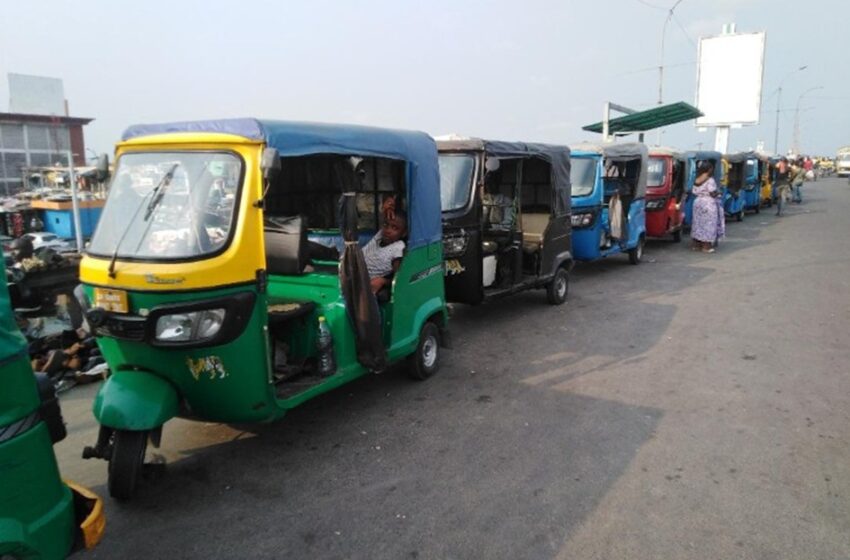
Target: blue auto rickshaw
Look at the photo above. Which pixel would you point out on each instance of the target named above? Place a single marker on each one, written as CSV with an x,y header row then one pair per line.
x,y
693,160
608,200
743,184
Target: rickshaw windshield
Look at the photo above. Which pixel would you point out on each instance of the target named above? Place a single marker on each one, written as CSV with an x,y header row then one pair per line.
x,y
169,205
655,172
582,176
456,174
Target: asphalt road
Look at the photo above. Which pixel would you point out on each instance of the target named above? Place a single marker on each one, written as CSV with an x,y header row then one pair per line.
x,y
695,406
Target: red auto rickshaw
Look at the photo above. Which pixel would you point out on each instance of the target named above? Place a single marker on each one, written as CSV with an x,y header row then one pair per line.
x,y
665,190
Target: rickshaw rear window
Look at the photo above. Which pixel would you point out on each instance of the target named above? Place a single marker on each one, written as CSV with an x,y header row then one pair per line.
x,y
169,205
582,176
456,175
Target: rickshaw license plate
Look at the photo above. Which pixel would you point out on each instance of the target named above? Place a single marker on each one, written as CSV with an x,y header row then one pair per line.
x,y
111,300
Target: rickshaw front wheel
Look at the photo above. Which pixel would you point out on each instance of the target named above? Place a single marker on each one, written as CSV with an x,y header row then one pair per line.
x,y
677,236
126,462
426,360
556,289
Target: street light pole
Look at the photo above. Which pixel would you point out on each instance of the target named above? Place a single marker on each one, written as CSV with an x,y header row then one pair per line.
x,y
661,61
778,105
796,140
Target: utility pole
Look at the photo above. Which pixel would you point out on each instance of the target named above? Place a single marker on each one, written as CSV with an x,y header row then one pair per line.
x,y
779,104
795,144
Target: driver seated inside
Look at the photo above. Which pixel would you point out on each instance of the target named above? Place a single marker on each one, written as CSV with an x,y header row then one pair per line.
x,y
383,253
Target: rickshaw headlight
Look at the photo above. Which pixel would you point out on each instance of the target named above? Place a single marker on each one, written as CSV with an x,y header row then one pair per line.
x,y
191,326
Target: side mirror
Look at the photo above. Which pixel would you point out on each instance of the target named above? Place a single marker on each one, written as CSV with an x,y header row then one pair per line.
x,y
102,170
270,163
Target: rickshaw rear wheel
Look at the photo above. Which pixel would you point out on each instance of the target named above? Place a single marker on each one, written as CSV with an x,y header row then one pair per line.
x,y
126,462
677,236
426,360
739,217
556,290
636,254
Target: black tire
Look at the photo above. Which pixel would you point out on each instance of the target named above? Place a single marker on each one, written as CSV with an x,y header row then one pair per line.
x,y
739,217
677,236
126,462
426,360
758,209
558,287
636,254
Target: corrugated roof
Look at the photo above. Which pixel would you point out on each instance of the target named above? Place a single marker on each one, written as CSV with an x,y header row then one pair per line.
x,y
649,119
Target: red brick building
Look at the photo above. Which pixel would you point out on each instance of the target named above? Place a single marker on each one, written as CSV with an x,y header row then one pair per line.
x,y
37,141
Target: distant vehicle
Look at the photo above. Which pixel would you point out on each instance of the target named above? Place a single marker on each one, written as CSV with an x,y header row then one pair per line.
x,y
45,239
842,161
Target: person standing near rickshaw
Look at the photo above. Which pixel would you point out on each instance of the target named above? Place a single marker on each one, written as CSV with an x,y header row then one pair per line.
x,y
782,185
798,175
708,224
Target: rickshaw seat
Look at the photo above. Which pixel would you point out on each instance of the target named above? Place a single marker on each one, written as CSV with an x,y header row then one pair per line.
x,y
533,228
286,244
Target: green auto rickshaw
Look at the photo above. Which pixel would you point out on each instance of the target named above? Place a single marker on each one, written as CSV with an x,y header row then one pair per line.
x,y
40,516
226,280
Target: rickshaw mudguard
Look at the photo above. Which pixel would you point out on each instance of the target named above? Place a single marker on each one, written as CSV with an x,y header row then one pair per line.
x,y
135,400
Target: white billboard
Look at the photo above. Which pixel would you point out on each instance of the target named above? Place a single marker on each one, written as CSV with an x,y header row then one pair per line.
x,y
36,95
729,79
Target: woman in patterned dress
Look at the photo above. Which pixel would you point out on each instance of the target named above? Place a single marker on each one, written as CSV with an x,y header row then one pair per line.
x,y
707,226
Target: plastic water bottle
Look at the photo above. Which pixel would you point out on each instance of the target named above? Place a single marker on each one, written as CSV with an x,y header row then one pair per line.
x,y
325,344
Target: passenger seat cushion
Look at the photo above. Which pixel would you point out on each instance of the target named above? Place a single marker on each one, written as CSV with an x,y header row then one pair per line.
x,y
533,228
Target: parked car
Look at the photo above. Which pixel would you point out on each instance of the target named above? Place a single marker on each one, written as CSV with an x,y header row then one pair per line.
x,y
45,239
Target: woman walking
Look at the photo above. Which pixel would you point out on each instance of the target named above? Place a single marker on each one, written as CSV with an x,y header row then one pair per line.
x,y
708,221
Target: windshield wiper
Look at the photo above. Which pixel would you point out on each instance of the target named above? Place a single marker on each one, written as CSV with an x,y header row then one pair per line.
x,y
156,194
159,191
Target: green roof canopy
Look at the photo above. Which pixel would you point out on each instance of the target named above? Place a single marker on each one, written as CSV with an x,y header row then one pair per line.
x,y
649,119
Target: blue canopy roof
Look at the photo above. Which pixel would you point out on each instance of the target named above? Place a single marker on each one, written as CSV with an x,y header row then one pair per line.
x,y
301,138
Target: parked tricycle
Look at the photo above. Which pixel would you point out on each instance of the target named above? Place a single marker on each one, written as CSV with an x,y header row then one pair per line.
x,y
608,200
665,192
226,280
743,184
506,219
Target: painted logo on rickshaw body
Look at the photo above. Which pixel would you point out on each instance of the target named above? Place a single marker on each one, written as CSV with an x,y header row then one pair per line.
x,y
454,267
154,279
426,273
210,366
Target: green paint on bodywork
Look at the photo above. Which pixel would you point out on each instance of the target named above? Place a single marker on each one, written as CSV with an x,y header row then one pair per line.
x,y
36,509
246,393
135,400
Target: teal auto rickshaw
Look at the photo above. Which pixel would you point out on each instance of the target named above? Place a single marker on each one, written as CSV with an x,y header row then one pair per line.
x,y
40,515
226,280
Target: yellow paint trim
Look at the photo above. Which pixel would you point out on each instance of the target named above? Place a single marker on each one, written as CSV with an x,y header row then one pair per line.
x,y
238,264
94,525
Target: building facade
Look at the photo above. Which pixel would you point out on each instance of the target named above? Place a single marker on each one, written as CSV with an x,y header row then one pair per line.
x,y
37,141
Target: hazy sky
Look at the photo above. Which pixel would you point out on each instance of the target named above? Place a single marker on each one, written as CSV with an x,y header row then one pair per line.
x,y
533,70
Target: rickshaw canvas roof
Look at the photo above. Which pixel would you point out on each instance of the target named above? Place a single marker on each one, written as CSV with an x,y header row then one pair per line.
x,y
557,156
663,151
740,157
301,138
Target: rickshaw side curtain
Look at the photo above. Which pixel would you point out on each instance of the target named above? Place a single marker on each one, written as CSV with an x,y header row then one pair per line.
x,y
360,303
